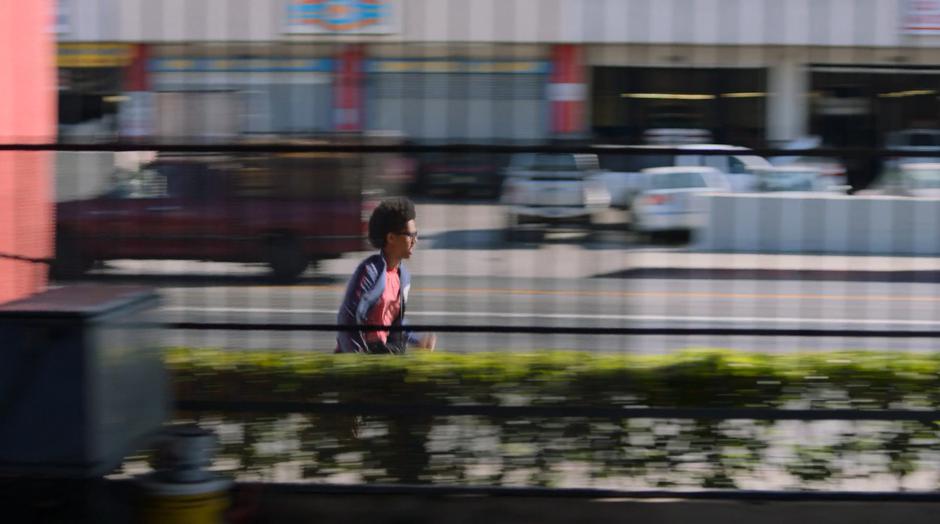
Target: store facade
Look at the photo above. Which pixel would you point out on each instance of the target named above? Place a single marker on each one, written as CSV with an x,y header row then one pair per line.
x,y
760,72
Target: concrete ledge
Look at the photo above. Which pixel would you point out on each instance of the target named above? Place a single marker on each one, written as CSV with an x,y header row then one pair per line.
x,y
809,223
303,506
119,501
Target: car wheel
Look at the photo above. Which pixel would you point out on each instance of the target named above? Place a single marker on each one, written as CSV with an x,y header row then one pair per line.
x,y
513,232
657,237
70,261
286,257
494,194
629,220
591,222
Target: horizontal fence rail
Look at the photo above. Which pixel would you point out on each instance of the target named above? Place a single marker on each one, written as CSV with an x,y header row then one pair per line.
x,y
606,494
456,147
560,330
352,408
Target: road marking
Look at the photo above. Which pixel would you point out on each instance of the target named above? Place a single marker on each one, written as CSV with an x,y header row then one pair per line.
x,y
688,294
574,316
643,294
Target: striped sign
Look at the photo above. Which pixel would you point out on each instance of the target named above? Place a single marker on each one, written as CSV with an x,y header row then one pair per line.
x,y
241,65
93,55
341,16
452,65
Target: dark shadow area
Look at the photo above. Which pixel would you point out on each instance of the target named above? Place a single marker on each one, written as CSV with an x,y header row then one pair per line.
x,y
475,239
203,280
72,501
601,237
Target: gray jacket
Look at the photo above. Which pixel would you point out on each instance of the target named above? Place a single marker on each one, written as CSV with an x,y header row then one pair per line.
x,y
363,292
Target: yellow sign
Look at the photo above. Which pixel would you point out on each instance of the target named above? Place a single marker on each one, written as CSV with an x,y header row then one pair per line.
x,y
94,55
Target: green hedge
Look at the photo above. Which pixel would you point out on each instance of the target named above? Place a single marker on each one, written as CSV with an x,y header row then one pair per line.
x,y
706,378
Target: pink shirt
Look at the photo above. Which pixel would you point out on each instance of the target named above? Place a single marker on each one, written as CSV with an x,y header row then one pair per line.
x,y
386,310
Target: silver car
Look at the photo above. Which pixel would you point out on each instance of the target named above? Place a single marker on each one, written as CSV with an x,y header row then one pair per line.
x,y
914,180
622,173
794,178
668,201
923,141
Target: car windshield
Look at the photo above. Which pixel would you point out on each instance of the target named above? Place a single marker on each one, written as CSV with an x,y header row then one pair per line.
x,y
634,163
914,139
924,178
786,181
752,162
678,181
546,162
146,183
325,176
460,159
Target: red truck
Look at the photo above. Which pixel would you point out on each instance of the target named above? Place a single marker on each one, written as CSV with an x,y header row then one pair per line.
x,y
286,210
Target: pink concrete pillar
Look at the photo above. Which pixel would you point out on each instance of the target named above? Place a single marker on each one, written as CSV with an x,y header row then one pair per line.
x,y
137,75
348,90
27,115
567,90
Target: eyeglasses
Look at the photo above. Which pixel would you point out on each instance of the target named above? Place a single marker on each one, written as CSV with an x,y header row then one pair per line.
x,y
412,236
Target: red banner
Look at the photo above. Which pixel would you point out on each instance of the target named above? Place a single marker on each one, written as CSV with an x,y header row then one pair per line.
x,y
567,90
349,78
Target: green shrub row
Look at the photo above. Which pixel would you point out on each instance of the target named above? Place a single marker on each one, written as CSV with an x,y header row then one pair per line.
x,y
704,378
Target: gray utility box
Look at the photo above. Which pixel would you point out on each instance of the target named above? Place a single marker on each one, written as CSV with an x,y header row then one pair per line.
x,y
82,380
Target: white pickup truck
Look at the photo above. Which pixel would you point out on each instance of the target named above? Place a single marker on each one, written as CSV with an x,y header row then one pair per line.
x,y
623,178
553,188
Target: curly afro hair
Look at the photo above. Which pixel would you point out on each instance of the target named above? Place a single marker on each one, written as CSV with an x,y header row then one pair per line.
x,y
391,216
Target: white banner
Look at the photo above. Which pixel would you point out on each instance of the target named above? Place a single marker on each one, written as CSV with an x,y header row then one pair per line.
x,y
920,17
136,114
63,17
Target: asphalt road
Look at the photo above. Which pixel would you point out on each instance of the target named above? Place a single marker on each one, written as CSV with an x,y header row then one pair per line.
x,y
466,273
601,303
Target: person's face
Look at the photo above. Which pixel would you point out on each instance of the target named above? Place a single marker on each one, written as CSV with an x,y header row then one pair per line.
x,y
402,243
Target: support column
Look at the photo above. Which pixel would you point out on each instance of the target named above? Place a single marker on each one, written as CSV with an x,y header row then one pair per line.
x,y
788,101
27,115
136,114
567,91
349,78
137,73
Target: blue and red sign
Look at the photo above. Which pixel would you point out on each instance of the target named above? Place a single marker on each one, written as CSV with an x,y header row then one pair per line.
x,y
338,16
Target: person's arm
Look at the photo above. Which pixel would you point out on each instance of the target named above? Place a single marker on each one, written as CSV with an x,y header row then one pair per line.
x,y
356,307
410,336
427,341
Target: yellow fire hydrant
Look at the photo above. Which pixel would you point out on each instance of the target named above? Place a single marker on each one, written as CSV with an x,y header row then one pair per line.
x,y
181,490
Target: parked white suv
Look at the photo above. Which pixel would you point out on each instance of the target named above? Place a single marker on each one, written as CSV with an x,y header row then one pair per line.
x,y
919,140
553,188
623,178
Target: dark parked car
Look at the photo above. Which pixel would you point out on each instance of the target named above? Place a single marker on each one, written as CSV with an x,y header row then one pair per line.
x,y
461,174
285,210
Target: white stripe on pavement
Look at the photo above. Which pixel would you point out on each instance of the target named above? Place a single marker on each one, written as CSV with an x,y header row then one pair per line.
x,y
574,316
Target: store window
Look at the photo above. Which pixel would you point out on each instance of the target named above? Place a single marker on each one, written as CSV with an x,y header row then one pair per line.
x,y
633,104
89,97
863,106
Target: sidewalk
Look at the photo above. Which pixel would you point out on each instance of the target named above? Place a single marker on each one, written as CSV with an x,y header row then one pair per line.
x,y
566,261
